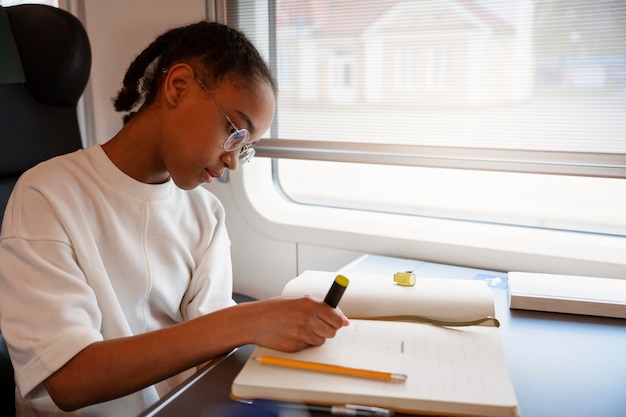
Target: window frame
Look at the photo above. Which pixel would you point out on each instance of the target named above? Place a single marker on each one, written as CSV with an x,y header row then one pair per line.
x,y
607,165
496,247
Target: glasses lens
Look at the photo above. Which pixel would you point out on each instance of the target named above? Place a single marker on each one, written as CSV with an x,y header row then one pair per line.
x,y
236,140
247,154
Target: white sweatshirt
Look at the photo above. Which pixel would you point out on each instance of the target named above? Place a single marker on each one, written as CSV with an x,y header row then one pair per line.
x,y
88,254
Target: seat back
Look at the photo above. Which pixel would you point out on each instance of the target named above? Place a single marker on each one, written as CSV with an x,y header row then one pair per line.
x,y
38,112
7,384
38,118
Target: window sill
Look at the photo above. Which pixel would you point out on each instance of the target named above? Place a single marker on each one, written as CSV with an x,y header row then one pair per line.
x,y
473,244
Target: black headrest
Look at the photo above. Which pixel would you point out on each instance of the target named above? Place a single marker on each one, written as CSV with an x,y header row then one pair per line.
x,y
38,119
55,53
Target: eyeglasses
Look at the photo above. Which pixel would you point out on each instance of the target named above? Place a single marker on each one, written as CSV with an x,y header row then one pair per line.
x,y
238,138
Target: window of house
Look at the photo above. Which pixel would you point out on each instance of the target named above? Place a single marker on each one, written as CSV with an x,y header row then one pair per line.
x,y
513,112
441,67
340,84
405,69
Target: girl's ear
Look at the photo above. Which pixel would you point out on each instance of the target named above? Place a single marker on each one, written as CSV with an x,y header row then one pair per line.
x,y
177,83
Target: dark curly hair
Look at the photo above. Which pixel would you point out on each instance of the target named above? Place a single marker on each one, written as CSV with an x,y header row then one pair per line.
x,y
219,50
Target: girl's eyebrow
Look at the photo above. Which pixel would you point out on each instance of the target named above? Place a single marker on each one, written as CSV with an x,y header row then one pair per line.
x,y
247,121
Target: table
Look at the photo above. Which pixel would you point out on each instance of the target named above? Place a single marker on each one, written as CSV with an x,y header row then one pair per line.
x,y
560,364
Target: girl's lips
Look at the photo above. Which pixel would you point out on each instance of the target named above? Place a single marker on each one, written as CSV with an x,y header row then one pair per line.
x,y
209,175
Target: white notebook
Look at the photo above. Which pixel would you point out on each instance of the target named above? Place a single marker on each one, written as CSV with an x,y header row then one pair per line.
x,y
451,370
568,294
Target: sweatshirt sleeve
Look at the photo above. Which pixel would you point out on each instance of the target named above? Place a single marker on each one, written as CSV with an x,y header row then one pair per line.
x,y
48,313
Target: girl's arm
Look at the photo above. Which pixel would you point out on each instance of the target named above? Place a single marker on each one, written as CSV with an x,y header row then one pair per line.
x,y
114,368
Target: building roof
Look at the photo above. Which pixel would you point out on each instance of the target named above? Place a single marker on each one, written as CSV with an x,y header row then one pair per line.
x,y
328,17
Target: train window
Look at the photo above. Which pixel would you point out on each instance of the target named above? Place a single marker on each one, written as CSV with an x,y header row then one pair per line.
x,y
508,112
7,3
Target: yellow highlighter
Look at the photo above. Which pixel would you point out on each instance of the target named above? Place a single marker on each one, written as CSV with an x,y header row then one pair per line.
x,y
336,291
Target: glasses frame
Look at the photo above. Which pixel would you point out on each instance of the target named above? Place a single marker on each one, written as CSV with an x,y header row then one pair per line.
x,y
246,151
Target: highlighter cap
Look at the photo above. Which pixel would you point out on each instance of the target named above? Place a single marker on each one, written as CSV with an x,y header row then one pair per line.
x,y
341,280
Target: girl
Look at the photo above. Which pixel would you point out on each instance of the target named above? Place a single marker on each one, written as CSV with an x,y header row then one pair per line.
x,y
115,271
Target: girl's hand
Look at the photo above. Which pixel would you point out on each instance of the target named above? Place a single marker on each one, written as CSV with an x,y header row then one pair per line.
x,y
291,324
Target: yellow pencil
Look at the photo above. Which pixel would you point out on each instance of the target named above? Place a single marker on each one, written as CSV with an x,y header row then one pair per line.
x,y
332,369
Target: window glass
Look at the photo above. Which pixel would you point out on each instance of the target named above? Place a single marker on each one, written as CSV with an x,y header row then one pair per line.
x,y
6,3
517,74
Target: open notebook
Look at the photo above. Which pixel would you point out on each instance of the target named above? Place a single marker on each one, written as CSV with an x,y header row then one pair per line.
x,y
451,370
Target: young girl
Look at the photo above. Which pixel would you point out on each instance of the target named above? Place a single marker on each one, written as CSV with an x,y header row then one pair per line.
x,y
115,271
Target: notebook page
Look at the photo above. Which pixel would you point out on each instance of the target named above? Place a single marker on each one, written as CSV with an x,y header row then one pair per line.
x,y
450,370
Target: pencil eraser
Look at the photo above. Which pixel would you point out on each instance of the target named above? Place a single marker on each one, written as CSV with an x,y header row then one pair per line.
x,y
406,279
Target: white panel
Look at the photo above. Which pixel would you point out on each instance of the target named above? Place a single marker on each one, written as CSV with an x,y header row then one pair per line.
x,y
320,258
261,265
118,31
